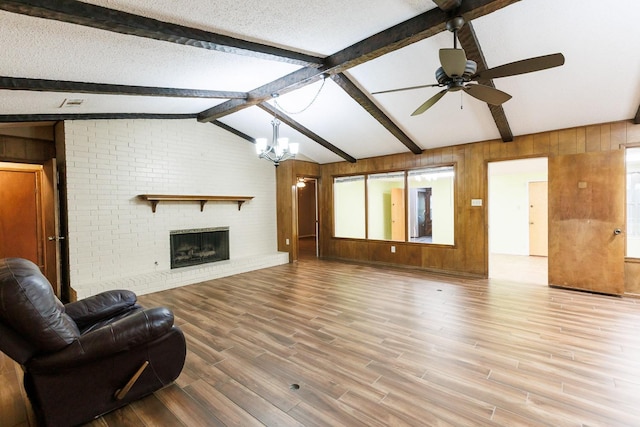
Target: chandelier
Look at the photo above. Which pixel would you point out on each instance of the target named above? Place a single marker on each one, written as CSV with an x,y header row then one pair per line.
x,y
279,149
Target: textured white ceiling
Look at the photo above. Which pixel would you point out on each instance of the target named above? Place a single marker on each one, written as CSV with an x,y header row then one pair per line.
x,y
598,83
315,27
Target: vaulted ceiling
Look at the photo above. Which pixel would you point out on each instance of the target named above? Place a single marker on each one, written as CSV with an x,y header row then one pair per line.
x,y
316,65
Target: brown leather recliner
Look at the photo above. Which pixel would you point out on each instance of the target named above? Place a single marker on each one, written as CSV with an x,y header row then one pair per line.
x,y
85,358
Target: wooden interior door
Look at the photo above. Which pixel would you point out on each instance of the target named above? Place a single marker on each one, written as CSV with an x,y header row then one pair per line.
x,y
538,219
29,222
20,232
586,208
397,214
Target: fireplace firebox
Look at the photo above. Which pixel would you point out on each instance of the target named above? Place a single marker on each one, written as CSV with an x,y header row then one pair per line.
x,y
199,246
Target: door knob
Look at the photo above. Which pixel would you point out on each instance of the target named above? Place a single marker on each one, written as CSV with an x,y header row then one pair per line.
x,y
617,231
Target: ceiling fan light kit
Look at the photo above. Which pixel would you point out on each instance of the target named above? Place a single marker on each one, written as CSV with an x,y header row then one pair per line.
x,y
457,72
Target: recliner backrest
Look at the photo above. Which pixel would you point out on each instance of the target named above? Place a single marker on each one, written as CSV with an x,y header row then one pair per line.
x,y
29,307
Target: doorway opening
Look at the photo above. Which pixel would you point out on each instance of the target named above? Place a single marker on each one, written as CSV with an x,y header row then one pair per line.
x,y
308,236
518,220
28,216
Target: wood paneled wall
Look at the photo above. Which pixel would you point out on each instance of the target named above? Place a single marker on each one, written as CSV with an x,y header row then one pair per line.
x,y
469,256
25,150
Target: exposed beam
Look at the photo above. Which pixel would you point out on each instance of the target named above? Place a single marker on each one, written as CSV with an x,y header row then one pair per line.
x,y
89,15
389,40
408,32
471,46
448,5
361,98
306,132
8,118
636,120
15,83
234,131
285,84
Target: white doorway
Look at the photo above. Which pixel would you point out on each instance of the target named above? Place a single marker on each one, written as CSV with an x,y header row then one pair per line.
x,y
518,215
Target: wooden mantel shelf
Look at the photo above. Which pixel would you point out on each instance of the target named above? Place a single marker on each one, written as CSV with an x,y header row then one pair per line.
x,y
154,199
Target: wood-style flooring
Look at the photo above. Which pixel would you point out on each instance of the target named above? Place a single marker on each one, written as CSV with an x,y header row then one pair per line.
x,y
323,343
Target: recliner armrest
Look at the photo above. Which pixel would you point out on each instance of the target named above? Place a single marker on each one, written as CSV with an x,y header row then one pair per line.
x,y
97,307
124,334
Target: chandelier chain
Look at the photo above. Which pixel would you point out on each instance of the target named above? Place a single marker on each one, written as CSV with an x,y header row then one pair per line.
x,y
277,104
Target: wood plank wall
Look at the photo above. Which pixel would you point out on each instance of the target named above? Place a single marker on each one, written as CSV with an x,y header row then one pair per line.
x,y
25,150
469,256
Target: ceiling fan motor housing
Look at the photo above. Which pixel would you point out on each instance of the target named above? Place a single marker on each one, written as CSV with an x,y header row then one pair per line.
x,y
469,70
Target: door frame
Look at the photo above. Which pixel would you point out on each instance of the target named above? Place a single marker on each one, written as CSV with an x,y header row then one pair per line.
x,y
525,193
47,218
316,181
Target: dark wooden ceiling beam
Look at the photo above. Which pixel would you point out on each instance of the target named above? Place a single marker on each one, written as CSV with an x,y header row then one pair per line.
x,y
394,38
365,102
448,5
306,132
288,83
471,46
16,118
76,12
406,33
15,83
234,131
389,40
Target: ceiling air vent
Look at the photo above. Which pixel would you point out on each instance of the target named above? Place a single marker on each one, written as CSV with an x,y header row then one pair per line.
x,y
71,102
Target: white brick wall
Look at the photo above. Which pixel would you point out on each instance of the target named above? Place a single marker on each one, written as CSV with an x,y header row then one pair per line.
x,y
115,241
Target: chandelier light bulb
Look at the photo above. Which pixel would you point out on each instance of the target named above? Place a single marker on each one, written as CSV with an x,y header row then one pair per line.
x,y
261,145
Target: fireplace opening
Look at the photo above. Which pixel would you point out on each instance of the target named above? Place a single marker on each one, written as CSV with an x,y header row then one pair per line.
x,y
199,246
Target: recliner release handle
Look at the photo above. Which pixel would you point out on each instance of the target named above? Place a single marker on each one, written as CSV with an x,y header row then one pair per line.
x,y
121,393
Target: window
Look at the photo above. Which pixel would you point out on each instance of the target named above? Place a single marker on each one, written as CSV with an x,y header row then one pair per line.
x,y
348,207
632,161
385,193
430,213
414,206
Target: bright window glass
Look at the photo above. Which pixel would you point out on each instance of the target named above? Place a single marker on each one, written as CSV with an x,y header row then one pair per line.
x,y
385,192
633,201
415,206
430,216
349,207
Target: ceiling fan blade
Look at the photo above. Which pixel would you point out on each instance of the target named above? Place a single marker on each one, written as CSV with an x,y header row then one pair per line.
x,y
453,61
429,102
521,67
487,94
404,88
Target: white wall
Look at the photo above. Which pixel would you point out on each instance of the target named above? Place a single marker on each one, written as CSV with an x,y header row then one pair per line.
x,y
509,203
115,241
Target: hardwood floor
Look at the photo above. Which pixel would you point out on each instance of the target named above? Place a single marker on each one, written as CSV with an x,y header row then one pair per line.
x,y
519,268
321,343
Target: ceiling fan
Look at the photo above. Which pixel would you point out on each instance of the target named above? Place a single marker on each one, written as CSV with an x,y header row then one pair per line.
x,y
457,72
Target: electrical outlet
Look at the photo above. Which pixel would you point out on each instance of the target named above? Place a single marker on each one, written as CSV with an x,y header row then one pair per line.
x,y
287,242
393,249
